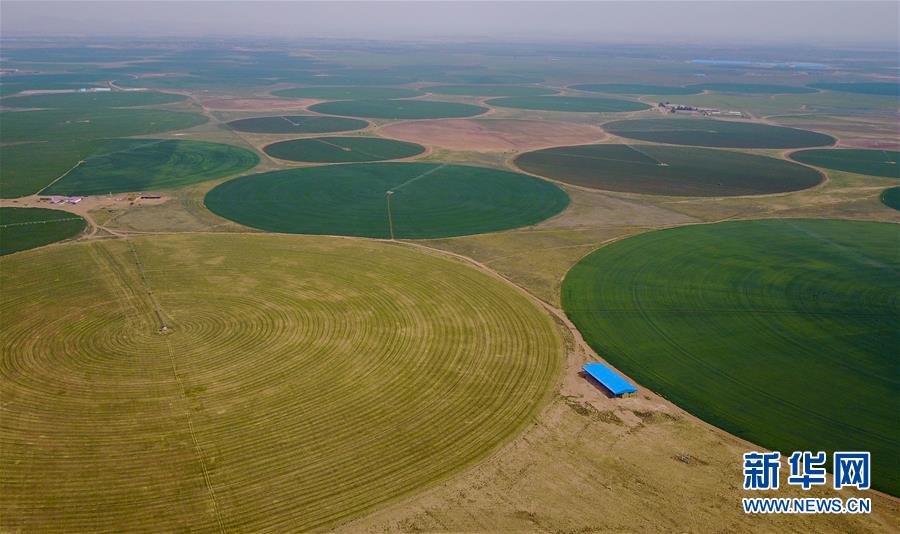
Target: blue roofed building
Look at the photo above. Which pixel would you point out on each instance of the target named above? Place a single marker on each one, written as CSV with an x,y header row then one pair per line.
x,y
610,379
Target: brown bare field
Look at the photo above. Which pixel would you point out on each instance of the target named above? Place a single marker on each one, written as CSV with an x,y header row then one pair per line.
x,y
255,104
489,135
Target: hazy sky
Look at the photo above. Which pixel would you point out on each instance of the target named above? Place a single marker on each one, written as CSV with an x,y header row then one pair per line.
x,y
733,22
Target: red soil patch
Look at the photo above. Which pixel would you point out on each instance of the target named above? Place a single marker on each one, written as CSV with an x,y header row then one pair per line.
x,y
254,104
492,135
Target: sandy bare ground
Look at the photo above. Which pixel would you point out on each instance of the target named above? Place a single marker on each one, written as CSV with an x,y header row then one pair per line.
x,y
255,104
492,135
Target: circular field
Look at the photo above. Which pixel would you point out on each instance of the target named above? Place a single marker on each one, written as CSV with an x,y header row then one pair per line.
x,y
714,133
398,109
25,228
342,149
429,200
858,160
347,93
668,170
488,90
777,331
489,135
568,103
890,197
119,165
301,381
297,124
636,89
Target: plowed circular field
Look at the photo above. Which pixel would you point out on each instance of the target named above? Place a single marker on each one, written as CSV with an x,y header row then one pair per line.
x,y
303,381
428,200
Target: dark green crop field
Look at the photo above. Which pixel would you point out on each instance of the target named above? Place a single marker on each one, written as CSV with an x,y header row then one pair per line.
x,y
858,160
668,170
300,124
428,201
714,133
25,228
398,109
40,146
489,90
84,101
753,88
142,164
568,103
782,332
862,88
347,93
891,197
342,149
635,89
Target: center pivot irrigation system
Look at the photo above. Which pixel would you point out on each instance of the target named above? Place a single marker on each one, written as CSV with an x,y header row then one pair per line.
x,y
388,196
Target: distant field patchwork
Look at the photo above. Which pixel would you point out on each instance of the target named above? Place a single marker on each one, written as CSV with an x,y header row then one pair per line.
x,y
428,201
342,149
777,331
667,170
861,161
716,133
300,381
25,228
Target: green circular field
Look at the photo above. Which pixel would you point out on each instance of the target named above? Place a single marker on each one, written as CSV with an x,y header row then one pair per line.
x,y
121,165
347,93
890,197
342,149
715,133
635,89
299,124
568,103
861,161
303,381
668,170
489,90
398,109
429,200
25,228
783,332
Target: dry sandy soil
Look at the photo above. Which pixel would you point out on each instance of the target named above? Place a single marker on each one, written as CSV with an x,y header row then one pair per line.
x,y
490,135
255,104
